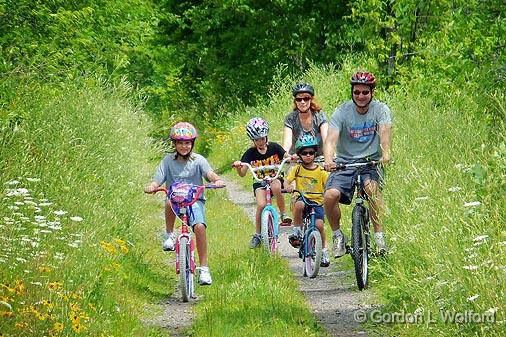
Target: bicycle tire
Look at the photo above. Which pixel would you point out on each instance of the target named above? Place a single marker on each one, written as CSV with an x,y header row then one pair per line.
x,y
359,252
313,255
269,242
185,274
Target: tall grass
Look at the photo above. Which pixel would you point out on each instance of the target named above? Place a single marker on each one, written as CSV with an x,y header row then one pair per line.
x,y
73,227
445,194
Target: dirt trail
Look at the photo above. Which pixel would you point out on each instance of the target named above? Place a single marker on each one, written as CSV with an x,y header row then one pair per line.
x,y
332,295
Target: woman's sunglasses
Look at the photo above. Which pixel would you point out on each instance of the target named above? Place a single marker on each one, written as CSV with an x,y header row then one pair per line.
x,y
363,92
302,99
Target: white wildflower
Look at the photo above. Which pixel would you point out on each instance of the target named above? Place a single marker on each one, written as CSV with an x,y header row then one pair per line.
x,y
470,267
472,204
40,218
76,218
73,244
60,212
20,259
13,207
33,179
472,298
422,198
502,243
454,189
19,203
480,238
30,202
45,204
36,284
12,182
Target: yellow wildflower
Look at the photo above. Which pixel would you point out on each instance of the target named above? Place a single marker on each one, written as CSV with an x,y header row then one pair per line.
x,y
77,327
48,304
44,269
6,314
58,327
108,247
21,325
75,296
54,285
74,307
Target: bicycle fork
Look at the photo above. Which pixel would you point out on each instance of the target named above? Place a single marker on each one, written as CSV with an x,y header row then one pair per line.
x,y
185,233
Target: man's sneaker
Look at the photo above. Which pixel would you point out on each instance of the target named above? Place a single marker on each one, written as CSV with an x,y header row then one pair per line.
x,y
325,259
295,237
339,247
381,246
170,242
256,240
205,276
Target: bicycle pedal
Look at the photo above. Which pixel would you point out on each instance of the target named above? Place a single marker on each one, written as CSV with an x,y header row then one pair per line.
x,y
348,249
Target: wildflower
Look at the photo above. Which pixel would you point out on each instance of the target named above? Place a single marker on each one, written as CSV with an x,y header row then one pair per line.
x,y
470,267
108,247
12,182
21,325
58,327
76,218
472,204
45,204
33,179
54,285
472,298
480,238
6,314
60,212
77,328
74,307
48,304
421,198
454,189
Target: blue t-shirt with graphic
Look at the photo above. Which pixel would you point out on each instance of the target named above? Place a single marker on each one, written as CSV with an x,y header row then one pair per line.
x,y
358,134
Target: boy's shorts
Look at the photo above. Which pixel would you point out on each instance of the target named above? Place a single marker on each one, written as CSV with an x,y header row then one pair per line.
x,y
344,181
318,210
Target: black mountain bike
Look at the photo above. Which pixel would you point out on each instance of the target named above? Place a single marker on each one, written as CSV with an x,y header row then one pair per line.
x,y
360,248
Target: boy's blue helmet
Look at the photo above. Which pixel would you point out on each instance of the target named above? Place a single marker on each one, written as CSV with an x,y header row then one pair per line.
x,y
305,140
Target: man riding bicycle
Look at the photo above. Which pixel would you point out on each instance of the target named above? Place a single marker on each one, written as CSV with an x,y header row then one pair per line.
x,y
360,130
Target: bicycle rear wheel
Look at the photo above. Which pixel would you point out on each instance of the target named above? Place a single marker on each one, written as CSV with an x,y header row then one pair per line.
x,y
268,239
185,274
360,245
313,254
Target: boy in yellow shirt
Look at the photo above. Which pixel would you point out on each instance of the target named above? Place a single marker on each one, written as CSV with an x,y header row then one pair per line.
x,y
308,177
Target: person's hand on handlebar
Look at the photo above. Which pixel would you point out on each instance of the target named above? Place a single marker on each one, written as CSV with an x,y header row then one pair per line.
x,y
329,166
151,188
237,164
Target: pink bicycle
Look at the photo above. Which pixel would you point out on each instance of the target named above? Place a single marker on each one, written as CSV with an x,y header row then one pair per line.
x,y
182,196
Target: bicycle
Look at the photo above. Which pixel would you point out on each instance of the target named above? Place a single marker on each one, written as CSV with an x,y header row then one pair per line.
x,y
182,196
360,225
269,217
310,249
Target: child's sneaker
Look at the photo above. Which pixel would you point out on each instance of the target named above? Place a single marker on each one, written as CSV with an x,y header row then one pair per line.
x,y
325,258
295,237
256,240
285,221
205,276
169,243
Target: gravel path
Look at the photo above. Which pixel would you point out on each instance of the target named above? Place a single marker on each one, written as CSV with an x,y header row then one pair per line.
x,y
332,295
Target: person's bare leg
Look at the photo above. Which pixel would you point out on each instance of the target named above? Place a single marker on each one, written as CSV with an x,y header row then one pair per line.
x,y
331,199
200,235
170,218
377,203
260,197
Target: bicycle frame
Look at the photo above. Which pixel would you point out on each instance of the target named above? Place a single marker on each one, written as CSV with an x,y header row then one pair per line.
x,y
268,196
185,236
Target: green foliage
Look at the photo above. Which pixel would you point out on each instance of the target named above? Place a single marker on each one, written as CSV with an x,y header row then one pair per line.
x,y
74,231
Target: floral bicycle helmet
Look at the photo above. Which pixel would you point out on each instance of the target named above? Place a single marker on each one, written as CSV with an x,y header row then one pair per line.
x,y
257,128
306,140
302,88
183,131
363,77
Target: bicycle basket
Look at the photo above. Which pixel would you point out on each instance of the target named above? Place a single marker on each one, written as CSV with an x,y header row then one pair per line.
x,y
180,192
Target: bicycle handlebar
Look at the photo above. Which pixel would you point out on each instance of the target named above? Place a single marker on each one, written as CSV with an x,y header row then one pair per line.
x,y
303,196
253,170
198,189
356,165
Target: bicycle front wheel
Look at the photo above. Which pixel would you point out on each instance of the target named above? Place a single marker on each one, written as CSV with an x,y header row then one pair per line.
x,y
185,274
360,252
313,253
268,239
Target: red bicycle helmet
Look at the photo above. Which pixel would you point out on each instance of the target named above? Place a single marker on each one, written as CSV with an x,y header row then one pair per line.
x,y
363,77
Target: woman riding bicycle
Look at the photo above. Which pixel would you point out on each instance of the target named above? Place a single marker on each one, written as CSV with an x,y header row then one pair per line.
x,y
306,117
310,178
